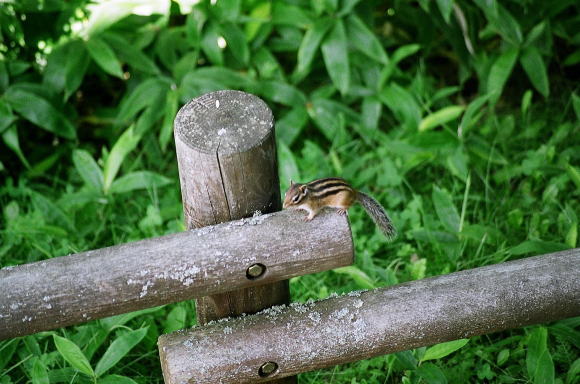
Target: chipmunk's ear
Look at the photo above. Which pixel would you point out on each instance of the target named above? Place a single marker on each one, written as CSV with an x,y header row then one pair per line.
x,y
291,183
303,189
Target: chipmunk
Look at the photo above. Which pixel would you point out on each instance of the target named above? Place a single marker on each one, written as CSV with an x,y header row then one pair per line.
x,y
336,193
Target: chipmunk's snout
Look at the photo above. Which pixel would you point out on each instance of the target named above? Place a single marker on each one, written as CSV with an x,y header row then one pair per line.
x,y
285,205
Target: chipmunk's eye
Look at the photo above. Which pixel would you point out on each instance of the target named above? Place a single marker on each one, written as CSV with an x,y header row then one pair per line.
x,y
295,198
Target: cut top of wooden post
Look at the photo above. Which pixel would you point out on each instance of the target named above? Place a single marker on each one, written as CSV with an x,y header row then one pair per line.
x,y
224,122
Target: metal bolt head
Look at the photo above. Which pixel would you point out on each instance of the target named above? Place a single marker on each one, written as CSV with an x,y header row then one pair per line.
x,y
267,369
255,270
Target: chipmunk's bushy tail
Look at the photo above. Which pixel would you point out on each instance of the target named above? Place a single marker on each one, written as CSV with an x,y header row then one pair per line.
x,y
378,214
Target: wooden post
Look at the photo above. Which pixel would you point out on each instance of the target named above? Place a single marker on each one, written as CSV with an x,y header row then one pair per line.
x,y
226,154
239,254
360,325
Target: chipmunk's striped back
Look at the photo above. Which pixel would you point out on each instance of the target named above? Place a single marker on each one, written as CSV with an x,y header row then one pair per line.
x,y
322,188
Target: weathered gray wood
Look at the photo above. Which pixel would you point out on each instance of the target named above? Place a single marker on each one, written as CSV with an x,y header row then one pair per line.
x,y
359,325
73,289
226,153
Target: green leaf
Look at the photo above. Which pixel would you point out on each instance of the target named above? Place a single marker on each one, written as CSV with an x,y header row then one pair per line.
x,y
573,372
259,15
445,7
6,115
282,93
130,54
364,39
176,319
469,118
166,130
288,127
403,105
360,277
138,180
431,373
115,379
441,350
227,10
407,360
287,166
66,67
73,355
288,14
503,356
210,46
118,349
335,55
538,360
88,169
545,369
104,56
10,138
113,322
576,104
310,43
446,211
39,373
125,144
441,117
536,70
371,112
237,43
143,95
574,174
537,247
40,112
500,72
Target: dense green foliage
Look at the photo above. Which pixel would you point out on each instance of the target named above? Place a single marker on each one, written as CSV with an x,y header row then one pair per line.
x,y
461,117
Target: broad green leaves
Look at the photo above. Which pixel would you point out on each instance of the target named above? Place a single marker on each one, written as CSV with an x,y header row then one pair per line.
x,y
335,54
104,56
39,111
73,355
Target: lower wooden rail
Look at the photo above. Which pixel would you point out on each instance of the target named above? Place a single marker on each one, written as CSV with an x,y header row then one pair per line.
x,y
287,340
238,254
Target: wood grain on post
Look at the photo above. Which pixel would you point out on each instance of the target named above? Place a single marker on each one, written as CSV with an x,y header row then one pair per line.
x,y
73,289
361,325
228,169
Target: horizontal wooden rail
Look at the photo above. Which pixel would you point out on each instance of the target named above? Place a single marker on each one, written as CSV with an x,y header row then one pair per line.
x,y
238,254
283,341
